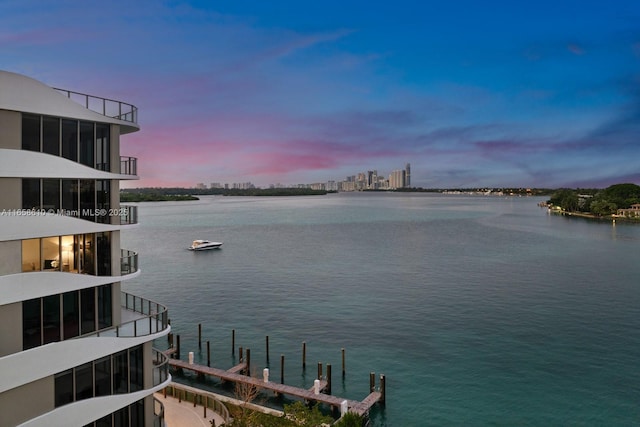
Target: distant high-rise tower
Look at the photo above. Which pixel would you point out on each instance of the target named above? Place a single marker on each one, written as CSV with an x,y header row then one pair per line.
x,y
407,169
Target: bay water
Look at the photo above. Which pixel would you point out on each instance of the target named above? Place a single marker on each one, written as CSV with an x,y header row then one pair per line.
x,y
478,310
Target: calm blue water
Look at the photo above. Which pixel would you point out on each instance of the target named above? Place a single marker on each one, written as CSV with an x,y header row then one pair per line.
x,y
479,310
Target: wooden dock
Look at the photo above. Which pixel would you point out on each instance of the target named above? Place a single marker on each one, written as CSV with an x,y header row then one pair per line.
x,y
233,375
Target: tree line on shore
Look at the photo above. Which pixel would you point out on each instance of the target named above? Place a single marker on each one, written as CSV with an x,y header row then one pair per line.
x,y
597,202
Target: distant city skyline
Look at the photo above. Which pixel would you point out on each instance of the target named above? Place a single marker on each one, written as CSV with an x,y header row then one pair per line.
x,y
473,94
369,180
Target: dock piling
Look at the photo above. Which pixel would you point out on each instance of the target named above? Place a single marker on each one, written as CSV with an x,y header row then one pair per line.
x,y
372,382
208,353
319,371
383,388
233,342
343,364
267,345
200,336
247,370
304,354
282,369
178,346
328,378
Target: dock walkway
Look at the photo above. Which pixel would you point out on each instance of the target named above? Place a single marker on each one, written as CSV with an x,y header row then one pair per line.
x,y
361,408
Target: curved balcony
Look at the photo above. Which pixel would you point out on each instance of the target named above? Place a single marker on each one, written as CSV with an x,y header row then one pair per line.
x,y
140,317
128,262
128,215
128,165
107,107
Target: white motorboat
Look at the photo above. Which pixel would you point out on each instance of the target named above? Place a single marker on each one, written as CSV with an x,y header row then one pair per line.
x,y
203,245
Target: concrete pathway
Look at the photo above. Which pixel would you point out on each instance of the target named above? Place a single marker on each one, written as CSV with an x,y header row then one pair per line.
x,y
183,414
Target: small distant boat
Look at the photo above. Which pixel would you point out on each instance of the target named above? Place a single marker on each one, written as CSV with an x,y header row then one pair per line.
x,y
203,245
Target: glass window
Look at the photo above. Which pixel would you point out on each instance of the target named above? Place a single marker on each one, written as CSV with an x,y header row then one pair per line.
x,y
88,310
51,194
30,132
51,253
70,196
103,376
51,135
86,251
66,247
105,310
84,381
103,200
120,373
137,413
103,152
135,368
51,318
70,139
64,388
70,314
31,255
86,143
121,417
31,324
30,193
87,199
104,253
104,421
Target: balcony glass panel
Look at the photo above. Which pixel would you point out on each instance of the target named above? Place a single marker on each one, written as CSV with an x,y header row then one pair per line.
x,y
128,165
128,262
128,214
161,367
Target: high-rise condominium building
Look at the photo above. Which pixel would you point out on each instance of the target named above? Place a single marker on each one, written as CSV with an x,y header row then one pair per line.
x,y
75,350
407,175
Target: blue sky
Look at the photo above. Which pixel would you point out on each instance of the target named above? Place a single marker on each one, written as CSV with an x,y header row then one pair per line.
x,y
472,94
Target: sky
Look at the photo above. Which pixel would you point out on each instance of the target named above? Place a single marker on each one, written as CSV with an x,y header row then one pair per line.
x,y
472,94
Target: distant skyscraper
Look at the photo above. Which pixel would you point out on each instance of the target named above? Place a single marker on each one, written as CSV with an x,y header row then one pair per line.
x,y
407,170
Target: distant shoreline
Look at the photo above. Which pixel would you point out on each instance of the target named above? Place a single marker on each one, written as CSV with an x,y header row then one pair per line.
x,y
604,218
185,194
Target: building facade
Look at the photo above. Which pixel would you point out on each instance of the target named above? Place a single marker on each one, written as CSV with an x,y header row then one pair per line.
x,y
75,350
